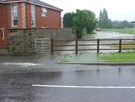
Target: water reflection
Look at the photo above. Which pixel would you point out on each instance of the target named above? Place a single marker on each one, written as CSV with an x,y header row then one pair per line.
x,y
98,70
119,71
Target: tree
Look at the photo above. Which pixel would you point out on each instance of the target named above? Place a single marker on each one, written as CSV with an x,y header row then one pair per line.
x,y
105,22
68,19
122,24
103,19
110,23
84,19
92,24
126,24
100,19
80,22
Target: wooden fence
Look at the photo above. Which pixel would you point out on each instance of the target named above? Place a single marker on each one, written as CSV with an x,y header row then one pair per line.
x,y
98,43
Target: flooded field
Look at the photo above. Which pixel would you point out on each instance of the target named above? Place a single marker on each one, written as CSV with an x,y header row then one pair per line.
x,y
98,35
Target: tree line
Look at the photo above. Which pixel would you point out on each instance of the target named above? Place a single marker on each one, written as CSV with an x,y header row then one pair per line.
x,y
86,19
105,22
81,19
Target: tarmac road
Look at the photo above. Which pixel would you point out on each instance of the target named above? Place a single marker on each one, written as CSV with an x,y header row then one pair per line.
x,y
20,82
40,79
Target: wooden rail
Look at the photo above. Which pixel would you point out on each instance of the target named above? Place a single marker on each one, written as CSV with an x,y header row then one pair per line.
x,y
97,44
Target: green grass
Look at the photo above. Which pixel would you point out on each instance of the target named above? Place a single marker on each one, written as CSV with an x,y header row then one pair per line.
x,y
65,58
80,57
121,31
101,57
119,57
12,50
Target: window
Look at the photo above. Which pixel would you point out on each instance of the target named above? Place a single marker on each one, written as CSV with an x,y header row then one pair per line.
x,y
14,15
2,34
44,11
33,16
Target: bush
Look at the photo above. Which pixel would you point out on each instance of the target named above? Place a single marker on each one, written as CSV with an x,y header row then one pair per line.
x,y
12,50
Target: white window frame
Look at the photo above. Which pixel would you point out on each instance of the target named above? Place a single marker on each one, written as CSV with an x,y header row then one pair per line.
x,y
13,11
33,18
2,34
44,11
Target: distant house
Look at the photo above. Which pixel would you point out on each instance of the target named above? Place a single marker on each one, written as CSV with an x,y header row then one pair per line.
x,y
27,14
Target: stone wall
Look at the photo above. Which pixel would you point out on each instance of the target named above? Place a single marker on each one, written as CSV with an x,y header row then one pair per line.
x,y
22,41
4,50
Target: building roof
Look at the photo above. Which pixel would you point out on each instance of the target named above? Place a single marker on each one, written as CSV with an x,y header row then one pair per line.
x,y
45,4
36,2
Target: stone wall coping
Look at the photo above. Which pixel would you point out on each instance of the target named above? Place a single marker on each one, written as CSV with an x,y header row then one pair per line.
x,y
4,47
35,28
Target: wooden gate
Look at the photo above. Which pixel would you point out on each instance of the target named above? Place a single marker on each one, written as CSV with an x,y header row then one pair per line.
x,y
42,45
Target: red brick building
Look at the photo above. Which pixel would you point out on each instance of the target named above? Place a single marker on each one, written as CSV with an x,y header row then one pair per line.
x,y
26,14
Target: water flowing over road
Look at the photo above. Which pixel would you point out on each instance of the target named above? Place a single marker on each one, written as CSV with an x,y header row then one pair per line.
x,y
39,78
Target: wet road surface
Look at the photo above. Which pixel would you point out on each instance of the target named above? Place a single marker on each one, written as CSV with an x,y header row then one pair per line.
x,y
19,74
16,80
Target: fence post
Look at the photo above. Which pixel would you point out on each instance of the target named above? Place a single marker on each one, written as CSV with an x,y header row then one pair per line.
x,y
76,50
51,46
98,43
120,43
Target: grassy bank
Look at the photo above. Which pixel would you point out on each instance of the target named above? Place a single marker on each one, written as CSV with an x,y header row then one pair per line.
x,y
102,57
81,57
119,57
121,31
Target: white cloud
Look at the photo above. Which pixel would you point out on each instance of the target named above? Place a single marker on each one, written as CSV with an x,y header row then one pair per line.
x,y
117,9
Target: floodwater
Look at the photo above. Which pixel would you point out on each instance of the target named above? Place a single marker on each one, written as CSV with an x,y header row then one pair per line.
x,y
17,83
98,35
109,35
19,74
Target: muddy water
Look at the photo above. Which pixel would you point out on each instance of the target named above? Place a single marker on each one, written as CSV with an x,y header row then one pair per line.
x,y
98,35
108,35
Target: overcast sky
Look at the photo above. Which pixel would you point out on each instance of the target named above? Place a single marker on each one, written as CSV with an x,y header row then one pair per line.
x,y
117,9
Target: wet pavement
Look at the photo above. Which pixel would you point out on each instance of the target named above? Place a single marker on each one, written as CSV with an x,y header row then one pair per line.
x,y
18,74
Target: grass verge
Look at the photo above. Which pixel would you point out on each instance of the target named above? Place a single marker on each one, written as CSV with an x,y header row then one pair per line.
x,y
81,57
65,58
119,57
101,57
